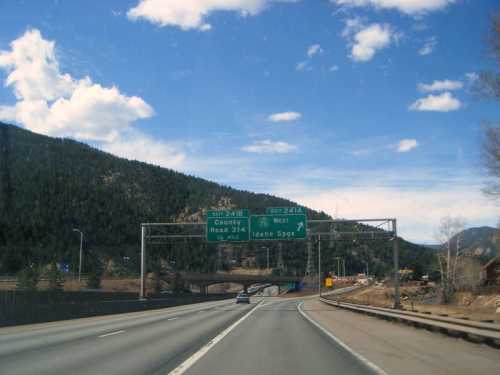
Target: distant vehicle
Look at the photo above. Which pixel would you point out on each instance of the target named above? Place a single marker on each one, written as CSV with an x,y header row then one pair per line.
x,y
242,298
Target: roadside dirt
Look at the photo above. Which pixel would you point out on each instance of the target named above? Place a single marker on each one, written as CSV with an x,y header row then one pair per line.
x,y
414,298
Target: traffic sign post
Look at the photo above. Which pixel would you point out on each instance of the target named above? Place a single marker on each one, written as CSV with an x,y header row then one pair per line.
x,y
227,226
278,227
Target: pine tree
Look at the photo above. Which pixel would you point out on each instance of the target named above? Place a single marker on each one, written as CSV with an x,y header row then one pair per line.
x,y
56,278
27,279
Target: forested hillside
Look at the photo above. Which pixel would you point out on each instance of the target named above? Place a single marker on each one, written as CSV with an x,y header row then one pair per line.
x,y
49,186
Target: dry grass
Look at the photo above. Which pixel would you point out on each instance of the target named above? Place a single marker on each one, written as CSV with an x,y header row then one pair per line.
x,y
463,305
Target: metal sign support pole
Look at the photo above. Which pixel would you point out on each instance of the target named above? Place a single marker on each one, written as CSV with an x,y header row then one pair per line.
x,y
142,294
319,265
397,301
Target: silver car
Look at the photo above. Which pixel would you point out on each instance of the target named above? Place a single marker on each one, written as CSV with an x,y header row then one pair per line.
x,y
242,298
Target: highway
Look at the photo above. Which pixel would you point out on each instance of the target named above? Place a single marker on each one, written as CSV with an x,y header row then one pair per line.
x,y
269,336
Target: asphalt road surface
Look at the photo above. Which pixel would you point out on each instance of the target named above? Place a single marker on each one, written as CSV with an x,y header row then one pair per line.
x,y
265,337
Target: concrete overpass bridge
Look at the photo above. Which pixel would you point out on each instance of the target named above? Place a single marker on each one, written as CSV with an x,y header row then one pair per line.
x,y
203,280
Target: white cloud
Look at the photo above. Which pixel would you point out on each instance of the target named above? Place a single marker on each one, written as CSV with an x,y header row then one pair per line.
x,y
313,50
136,146
418,211
284,116
406,145
33,70
334,68
56,104
472,77
352,25
191,14
269,147
444,102
413,7
301,66
369,40
428,47
445,85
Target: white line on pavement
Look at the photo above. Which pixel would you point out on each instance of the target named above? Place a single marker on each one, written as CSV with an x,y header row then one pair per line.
x,y
358,356
174,318
184,366
111,334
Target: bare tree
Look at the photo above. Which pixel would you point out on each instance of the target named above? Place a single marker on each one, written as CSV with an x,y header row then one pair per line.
x,y
468,275
488,87
490,154
449,230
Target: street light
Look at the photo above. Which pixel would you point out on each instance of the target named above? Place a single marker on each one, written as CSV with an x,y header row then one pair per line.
x,y
81,245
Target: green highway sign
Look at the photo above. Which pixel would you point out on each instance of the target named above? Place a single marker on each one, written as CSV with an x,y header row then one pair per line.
x,y
285,210
278,227
227,226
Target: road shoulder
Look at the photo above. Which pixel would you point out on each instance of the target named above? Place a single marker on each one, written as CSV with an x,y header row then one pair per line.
x,y
400,349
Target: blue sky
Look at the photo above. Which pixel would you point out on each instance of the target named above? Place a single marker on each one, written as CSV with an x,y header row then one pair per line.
x,y
360,108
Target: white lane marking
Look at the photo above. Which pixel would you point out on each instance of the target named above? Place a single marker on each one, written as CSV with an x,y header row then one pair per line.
x,y
201,311
358,356
174,318
184,366
111,334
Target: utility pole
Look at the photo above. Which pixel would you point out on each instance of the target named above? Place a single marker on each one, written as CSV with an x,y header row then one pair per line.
x,y
81,254
340,261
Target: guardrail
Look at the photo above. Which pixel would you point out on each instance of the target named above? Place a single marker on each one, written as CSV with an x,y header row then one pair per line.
x,y
471,330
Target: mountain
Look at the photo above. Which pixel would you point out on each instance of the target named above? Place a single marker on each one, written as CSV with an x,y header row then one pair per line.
x,y
432,246
479,242
49,186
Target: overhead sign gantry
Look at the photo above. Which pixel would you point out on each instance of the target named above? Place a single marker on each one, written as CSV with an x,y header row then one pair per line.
x,y
279,223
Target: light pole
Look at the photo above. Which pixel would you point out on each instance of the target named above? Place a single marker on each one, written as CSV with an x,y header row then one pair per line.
x,y
81,245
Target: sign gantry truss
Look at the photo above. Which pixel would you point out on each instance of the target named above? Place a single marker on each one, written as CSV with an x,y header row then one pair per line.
x,y
334,229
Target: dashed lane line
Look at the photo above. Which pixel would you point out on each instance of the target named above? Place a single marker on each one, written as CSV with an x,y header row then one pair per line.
x,y
111,334
184,366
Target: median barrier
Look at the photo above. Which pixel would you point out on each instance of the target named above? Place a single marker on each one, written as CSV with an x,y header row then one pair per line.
x,y
29,313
